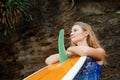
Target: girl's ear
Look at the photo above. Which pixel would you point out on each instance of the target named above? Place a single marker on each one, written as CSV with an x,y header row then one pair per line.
x,y
86,33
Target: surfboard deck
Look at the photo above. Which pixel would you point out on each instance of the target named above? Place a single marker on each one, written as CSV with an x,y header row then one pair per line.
x,y
53,72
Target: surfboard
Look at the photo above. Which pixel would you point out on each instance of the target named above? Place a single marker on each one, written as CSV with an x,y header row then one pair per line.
x,y
65,70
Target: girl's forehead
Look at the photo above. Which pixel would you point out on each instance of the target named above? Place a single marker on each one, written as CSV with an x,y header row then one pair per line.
x,y
76,27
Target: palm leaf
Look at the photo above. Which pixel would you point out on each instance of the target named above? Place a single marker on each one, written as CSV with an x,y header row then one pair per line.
x,y
13,11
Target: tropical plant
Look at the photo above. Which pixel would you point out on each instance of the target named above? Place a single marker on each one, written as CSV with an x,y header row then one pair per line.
x,y
12,12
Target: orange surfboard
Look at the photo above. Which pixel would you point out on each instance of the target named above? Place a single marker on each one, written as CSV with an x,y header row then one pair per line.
x,y
53,72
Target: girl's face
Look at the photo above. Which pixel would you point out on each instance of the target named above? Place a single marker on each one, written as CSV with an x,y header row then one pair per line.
x,y
78,34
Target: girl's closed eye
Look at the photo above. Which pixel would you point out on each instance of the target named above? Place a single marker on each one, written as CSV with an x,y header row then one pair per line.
x,y
74,30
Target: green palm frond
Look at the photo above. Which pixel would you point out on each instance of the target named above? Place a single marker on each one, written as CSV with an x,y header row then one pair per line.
x,y
12,12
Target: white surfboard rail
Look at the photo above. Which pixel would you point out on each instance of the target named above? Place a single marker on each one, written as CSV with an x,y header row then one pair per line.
x,y
74,70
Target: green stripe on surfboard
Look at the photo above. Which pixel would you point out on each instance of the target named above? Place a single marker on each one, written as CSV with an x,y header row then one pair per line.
x,y
61,47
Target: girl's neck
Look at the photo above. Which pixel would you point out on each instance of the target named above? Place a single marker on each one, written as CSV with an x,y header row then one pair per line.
x,y
83,43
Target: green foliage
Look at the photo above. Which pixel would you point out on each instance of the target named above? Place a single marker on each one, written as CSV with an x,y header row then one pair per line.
x,y
116,15
12,12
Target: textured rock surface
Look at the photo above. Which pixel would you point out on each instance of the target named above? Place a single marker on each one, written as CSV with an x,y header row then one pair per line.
x,y
25,53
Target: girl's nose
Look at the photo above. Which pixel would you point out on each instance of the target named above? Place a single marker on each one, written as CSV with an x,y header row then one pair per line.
x,y
71,33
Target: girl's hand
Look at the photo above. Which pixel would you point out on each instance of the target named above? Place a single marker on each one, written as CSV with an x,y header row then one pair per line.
x,y
69,53
79,50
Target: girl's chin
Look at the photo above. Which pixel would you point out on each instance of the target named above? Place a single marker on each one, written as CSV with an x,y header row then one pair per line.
x,y
74,41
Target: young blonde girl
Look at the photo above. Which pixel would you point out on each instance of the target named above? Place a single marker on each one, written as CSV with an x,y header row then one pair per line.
x,y
84,43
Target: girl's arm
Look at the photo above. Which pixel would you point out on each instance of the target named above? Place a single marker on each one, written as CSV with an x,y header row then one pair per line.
x,y
52,59
96,53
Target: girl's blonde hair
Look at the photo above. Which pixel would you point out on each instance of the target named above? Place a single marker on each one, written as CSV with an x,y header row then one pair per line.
x,y
91,39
